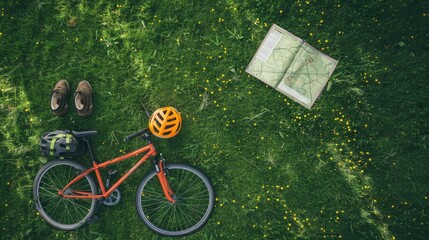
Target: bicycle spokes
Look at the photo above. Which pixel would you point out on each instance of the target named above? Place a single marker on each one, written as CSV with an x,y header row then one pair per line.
x,y
193,201
60,212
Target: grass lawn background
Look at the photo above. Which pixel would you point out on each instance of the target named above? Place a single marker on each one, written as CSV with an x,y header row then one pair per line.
x,y
355,166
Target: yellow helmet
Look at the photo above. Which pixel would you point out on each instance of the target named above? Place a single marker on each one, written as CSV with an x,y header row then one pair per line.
x,y
165,122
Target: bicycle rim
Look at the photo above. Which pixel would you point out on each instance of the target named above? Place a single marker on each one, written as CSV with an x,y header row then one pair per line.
x,y
63,213
194,201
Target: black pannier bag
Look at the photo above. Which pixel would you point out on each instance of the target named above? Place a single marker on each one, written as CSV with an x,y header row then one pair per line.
x,y
60,143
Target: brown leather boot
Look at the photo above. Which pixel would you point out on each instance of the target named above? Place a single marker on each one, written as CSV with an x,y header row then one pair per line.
x,y
83,98
59,96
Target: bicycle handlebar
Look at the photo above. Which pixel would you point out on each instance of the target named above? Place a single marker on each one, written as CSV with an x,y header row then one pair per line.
x,y
136,134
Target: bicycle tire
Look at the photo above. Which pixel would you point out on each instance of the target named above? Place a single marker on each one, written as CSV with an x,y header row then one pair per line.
x,y
63,213
194,201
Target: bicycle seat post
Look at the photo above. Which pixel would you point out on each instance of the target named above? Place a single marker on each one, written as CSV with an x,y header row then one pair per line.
x,y
91,152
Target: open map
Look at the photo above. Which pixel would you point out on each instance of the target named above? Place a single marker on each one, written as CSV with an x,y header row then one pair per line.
x,y
291,66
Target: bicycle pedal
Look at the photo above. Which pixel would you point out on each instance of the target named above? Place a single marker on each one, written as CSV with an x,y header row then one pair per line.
x,y
112,172
93,219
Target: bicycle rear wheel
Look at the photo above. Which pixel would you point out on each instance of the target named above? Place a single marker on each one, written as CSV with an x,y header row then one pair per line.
x,y
63,213
194,201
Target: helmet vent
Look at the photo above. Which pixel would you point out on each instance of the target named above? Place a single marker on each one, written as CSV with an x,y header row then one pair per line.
x,y
165,122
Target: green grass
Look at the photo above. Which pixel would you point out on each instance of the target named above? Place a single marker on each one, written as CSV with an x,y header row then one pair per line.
x,y
352,167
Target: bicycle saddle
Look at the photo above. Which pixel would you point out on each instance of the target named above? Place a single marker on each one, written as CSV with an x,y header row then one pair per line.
x,y
84,134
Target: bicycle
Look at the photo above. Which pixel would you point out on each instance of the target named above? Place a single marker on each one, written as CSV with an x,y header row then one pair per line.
x,y
172,200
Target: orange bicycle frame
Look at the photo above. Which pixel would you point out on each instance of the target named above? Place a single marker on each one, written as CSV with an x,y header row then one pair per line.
x,y
149,151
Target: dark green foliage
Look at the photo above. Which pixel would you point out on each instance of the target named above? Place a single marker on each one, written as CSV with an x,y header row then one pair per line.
x,y
353,167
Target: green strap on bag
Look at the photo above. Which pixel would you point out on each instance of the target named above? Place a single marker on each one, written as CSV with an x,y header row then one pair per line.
x,y
68,138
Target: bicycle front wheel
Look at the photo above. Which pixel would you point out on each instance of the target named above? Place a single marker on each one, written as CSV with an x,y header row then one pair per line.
x,y
63,213
192,209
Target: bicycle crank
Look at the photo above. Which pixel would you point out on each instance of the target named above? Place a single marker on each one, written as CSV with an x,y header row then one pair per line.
x,y
113,199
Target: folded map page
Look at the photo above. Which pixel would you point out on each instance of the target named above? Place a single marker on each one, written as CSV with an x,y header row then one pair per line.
x,y
291,66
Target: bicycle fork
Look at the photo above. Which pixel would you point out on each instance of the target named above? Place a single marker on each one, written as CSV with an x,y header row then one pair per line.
x,y
162,176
